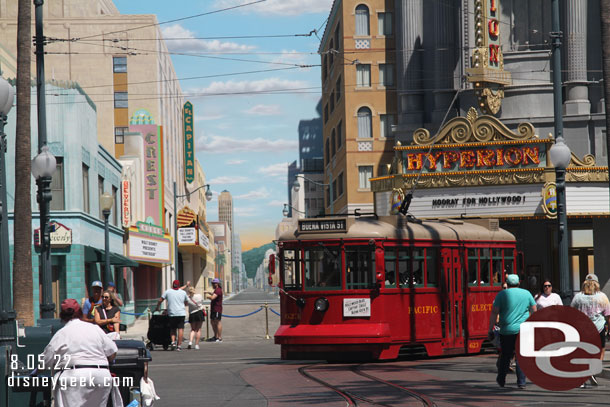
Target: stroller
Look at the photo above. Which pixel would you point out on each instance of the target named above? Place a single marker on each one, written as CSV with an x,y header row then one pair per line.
x,y
159,332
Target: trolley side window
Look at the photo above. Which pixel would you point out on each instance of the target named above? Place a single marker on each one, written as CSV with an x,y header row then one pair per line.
x,y
322,269
419,265
432,266
390,268
509,261
404,267
485,257
473,267
496,256
359,267
292,278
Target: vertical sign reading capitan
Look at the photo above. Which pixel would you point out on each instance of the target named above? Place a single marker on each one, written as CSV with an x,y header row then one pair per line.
x,y
487,64
126,202
189,150
152,136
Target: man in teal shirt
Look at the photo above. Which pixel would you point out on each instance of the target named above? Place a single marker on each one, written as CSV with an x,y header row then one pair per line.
x,y
514,306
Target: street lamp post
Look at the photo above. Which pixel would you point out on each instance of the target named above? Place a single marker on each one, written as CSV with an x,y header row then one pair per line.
x,y
286,211
106,203
560,156
297,186
208,197
7,313
43,167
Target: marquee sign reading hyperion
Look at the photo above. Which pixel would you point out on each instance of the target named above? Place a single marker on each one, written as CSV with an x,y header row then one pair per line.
x,y
189,149
487,62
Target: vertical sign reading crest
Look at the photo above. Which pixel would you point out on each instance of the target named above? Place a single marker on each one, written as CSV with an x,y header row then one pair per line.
x,y
487,64
189,151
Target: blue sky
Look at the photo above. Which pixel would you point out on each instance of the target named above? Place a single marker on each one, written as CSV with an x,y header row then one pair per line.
x,y
245,140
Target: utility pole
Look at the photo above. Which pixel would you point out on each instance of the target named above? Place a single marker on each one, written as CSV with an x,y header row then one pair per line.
x,y
604,14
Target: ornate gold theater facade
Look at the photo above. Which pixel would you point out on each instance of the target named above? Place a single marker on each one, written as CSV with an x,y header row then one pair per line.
x,y
477,167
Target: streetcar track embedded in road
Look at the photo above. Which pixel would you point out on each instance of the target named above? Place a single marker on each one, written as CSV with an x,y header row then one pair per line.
x,y
352,399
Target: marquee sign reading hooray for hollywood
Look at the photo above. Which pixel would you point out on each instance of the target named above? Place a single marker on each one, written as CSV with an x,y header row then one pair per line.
x,y
487,63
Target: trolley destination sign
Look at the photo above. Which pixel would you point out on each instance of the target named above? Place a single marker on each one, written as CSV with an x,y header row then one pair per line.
x,y
323,225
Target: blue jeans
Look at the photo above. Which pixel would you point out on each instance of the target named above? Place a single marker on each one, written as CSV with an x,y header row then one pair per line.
x,y
507,344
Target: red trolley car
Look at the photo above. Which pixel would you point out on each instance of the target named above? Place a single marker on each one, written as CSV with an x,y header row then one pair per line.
x,y
369,286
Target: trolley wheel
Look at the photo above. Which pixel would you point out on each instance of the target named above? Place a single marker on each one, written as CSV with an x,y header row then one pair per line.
x,y
165,347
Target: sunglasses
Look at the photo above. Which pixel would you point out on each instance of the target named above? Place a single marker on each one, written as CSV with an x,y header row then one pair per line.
x,y
547,285
106,297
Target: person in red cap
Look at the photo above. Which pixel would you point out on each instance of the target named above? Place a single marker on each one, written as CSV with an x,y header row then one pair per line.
x,y
176,300
81,352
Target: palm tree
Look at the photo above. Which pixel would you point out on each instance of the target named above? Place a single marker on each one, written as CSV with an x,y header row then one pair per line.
x,y
604,6
22,258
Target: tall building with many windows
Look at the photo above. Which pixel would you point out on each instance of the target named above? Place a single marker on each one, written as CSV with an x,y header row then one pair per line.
x,y
359,100
225,208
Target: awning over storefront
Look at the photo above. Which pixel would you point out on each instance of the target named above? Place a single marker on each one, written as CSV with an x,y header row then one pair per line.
x,y
95,255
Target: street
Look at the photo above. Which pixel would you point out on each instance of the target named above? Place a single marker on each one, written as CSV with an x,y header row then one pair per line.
x,y
246,370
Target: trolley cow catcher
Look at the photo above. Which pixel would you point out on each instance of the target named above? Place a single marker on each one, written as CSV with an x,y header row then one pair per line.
x,y
383,283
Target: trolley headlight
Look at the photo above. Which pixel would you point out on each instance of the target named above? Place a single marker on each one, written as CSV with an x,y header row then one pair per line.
x,y
300,302
321,304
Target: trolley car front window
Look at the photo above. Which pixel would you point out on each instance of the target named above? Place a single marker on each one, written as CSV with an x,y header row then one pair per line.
x,y
359,267
291,276
322,269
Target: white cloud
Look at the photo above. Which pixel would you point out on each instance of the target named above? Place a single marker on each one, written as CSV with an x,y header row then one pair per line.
x,y
295,57
264,110
277,203
260,193
188,44
219,144
209,117
227,179
249,212
274,170
263,85
280,7
235,162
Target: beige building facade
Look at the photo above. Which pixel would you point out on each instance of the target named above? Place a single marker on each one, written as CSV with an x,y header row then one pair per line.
x,y
358,99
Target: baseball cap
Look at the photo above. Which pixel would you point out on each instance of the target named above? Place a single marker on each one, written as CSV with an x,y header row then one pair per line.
x,y
70,304
512,279
111,284
216,281
97,283
592,277
176,284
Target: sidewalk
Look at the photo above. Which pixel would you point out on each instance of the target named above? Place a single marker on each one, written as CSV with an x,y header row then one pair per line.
x,y
606,363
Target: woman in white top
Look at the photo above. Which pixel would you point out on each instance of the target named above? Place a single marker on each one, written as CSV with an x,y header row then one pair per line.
x,y
81,353
196,316
546,297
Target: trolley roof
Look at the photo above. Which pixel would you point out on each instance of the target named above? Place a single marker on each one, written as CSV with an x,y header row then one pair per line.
x,y
396,227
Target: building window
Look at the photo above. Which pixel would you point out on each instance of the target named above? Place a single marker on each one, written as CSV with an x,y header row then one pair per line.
x,y
362,20
384,23
332,102
100,192
85,188
338,89
340,184
120,100
119,134
337,37
339,135
325,113
363,75
333,143
324,72
386,74
327,151
331,57
119,64
365,173
335,190
365,129
328,197
386,121
115,209
57,186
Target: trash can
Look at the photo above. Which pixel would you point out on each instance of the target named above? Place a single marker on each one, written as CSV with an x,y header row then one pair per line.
x,y
131,362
